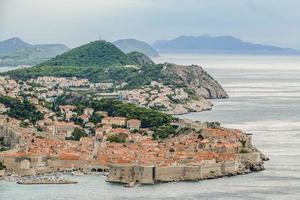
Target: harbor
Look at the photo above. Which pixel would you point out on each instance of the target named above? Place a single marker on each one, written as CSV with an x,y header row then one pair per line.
x,y
43,179
46,181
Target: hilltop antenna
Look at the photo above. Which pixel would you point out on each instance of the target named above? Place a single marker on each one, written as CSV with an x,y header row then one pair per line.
x,y
99,36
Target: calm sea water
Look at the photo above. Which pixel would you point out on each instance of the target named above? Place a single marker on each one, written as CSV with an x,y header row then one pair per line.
x,y
264,100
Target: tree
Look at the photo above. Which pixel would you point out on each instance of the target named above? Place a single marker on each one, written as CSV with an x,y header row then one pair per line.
x,y
149,118
2,166
21,110
163,132
95,118
116,138
77,134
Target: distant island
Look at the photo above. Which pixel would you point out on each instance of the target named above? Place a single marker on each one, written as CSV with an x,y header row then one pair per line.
x,y
186,87
217,44
15,51
130,45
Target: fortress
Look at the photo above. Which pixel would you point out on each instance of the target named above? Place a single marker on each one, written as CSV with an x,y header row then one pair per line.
x,y
127,173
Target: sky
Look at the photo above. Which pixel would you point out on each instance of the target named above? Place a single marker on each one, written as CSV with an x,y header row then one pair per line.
x,y
75,22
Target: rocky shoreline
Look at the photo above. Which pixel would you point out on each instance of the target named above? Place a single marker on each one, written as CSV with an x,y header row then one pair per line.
x,y
192,106
181,89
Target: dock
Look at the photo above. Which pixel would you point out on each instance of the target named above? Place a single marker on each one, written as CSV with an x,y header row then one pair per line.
x,y
33,182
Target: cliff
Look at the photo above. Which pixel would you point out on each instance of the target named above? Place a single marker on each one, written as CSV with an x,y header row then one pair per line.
x,y
194,78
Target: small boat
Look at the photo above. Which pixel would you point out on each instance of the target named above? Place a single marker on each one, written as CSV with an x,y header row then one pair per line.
x,y
130,184
76,173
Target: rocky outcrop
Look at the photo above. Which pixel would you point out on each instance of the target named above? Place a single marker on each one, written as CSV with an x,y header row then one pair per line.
x,y
9,136
191,106
195,78
178,89
167,99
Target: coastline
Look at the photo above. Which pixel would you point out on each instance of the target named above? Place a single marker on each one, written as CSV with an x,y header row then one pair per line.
x,y
276,135
29,180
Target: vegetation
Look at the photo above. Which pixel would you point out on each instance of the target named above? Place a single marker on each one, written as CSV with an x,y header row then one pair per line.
x,y
144,76
97,61
140,58
95,118
98,53
192,94
21,110
134,77
244,151
2,166
116,138
101,61
213,124
149,118
2,148
77,134
163,132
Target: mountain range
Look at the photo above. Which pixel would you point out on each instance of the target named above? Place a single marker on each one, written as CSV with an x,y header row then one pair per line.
x,y
218,44
15,51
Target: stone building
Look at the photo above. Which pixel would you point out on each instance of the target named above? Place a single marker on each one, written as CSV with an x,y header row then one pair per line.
x,y
88,111
119,121
130,173
25,164
102,113
64,129
189,124
133,124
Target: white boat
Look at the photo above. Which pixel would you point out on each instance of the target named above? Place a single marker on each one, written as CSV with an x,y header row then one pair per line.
x,y
77,173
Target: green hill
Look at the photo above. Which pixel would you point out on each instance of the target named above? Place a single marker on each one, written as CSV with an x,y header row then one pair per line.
x,y
130,45
94,54
98,61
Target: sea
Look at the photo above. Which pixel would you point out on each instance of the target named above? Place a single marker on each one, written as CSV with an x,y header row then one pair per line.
x,y
264,99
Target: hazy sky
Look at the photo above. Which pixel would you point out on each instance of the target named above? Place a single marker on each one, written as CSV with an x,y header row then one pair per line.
x,y
74,22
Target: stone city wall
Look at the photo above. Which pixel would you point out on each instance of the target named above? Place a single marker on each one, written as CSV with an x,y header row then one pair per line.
x,y
254,157
62,165
126,173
